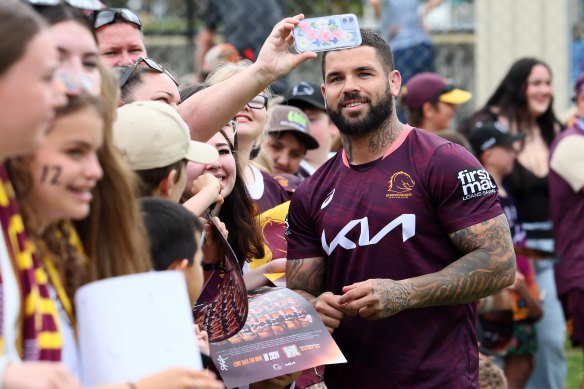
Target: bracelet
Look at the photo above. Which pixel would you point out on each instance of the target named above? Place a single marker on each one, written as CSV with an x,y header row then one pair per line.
x,y
210,267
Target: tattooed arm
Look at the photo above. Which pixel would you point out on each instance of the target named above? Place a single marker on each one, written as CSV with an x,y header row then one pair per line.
x,y
306,277
487,267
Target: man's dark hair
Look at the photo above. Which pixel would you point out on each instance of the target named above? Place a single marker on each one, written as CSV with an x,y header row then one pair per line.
x,y
372,39
171,231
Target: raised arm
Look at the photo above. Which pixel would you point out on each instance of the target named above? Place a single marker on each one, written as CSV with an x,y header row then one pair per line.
x,y
306,277
487,266
208,110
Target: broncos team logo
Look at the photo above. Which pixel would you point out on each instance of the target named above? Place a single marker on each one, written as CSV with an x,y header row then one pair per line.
x,y
401,186
273,225
401,182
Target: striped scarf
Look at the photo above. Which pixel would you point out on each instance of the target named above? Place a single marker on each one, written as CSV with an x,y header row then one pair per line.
x,y
38,336
50,266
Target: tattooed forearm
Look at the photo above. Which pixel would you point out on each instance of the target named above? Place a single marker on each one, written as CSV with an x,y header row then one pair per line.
x,y
306,275
488,266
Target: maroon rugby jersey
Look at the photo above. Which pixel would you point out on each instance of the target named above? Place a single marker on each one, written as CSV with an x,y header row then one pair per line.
x,y
390,218
272,196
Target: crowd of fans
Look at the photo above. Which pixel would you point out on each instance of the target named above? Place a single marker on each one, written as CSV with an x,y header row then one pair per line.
x,y
110,167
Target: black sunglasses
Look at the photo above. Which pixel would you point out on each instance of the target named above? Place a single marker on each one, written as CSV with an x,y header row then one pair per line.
x,y
103,17
82,4
127,71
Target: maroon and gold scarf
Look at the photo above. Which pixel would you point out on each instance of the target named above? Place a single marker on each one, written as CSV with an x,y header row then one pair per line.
x,y
38,336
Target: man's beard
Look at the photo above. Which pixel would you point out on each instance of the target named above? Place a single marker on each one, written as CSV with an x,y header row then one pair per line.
x,y
378,114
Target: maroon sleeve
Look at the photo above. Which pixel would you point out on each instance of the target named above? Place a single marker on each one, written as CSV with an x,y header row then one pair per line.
x,y
303,240
463,192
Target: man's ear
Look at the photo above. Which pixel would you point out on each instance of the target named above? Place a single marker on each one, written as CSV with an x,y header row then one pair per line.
x,y
395,82
486,156
165,186
427,110
179,264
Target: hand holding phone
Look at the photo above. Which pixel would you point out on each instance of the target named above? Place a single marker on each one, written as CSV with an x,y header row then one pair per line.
x,y
326,33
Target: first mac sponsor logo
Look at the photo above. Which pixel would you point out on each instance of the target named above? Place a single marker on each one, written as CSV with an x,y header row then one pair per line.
x,y
475,183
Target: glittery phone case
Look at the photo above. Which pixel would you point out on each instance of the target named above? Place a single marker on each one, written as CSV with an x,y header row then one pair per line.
x,y
326,33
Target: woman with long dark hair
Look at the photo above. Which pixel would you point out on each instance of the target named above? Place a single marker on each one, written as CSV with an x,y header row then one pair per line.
x,y
523,104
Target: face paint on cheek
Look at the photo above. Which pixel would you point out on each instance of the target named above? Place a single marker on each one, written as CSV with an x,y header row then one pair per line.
x,y
51,174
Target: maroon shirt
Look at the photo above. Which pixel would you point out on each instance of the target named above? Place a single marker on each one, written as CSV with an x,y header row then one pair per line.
x,y
567,209
272,196
390,218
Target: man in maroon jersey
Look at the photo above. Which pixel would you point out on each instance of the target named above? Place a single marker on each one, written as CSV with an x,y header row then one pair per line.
x,y
401,219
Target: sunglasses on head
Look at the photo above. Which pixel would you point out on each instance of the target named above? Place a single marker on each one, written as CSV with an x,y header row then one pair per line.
x,y
103,17
152,64
82,4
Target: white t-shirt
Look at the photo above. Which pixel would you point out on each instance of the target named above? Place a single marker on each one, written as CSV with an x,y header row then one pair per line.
x,y
10,296
69,350
256,189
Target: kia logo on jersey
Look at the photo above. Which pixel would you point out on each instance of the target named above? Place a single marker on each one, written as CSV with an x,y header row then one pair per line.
x,y
407,221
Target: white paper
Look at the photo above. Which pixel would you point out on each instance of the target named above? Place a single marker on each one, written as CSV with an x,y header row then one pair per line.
x,y
133,326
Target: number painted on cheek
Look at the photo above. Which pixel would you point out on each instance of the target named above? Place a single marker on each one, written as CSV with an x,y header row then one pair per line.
x,y
51,174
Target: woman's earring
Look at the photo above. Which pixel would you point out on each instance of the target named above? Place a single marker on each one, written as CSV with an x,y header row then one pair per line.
x,y
255,150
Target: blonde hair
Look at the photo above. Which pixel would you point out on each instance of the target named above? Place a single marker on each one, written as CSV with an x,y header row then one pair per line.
x,y
228,70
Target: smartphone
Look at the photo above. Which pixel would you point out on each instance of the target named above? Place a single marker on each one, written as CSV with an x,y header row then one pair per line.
x,y
326,33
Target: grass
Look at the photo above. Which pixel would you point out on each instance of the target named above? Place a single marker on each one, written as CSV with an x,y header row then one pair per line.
x,y
575,367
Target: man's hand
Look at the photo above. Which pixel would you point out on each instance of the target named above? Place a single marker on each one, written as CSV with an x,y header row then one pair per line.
x,y
374,299
330,311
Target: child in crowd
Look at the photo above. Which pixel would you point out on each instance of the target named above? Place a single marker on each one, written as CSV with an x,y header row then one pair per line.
x,y
156,143
174,235
493,145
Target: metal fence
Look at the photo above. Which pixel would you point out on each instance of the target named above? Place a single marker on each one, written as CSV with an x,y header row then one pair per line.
x,y
171,27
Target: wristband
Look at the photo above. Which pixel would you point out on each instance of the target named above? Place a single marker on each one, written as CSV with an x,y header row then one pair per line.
x,y
211,266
